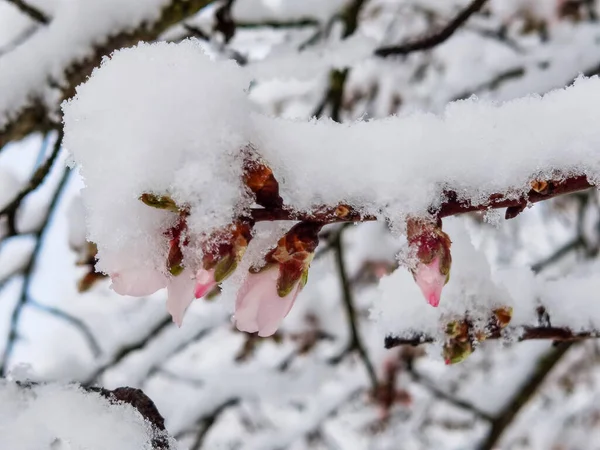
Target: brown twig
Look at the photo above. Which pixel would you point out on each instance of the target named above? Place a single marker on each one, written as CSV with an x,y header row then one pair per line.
x,y
528,334
28,274
36,180
526,393
435,39
30,11
348,300
451,207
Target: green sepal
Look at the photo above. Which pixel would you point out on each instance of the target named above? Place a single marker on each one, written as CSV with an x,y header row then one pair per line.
x,y
225,267
159,202
176,269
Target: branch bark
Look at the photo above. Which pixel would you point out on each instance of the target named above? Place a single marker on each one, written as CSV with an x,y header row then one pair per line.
x,y
451,207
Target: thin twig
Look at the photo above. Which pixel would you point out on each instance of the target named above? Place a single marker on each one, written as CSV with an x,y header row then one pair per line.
x,y
526,393
348,300
30,11
527,334
75,321
208,421
29,272
38,177
127,350
430,386
435,39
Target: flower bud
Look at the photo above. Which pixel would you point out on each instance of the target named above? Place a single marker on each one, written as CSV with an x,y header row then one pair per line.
x,y
431,247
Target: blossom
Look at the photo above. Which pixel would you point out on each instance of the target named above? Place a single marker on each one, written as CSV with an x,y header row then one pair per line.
x,y
138,282
259,307
267,295
180,294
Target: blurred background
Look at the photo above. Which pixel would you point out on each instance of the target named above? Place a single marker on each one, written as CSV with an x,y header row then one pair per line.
x,y
325,380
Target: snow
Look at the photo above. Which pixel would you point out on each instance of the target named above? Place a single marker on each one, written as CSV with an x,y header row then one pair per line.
x,y
66,417
285,10
314,61
198,118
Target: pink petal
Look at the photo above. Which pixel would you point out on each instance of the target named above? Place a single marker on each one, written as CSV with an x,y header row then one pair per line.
x,y
138,282
273,310
259,307
181,294
431,281
205,282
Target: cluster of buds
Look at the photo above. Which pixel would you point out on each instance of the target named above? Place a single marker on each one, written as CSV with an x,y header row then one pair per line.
x,y
462,336
222,251
431,247
269,292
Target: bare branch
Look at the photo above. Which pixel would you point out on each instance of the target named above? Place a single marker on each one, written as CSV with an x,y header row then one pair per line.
x,y
528,334
36,180
75,321
30,11
127,350
527,392
435,39
28,275
355,339
35,116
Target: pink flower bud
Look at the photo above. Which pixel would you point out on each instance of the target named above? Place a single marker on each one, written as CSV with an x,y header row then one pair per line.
x,y
138,282
431,281
259,308
432,250
180,294
205,282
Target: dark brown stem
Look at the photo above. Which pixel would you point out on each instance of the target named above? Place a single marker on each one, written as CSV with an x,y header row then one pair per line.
x,y
435,39
348,300
31,11
528,334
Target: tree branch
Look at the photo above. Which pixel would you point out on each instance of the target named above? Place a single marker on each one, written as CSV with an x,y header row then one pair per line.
x,y
31,11
355,340
75,321
36,180
528,334
451,207
28,275
435,39
527,392
35,116
127,350
441,394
